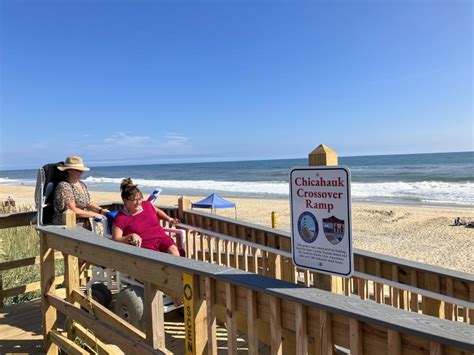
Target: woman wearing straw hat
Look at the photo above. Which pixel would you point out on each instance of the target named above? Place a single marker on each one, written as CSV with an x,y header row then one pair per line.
x,y
73,194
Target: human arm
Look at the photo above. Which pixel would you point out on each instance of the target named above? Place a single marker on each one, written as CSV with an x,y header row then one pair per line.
x,y
132,238
96,208
162,215
71,204
64,198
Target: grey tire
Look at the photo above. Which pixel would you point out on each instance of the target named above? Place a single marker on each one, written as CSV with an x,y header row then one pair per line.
x,y
129,306
101,294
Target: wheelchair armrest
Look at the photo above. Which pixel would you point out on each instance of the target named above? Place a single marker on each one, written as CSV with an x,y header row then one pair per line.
x,y
180,236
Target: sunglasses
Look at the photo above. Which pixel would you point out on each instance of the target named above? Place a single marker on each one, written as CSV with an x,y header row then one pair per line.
x,y
135,200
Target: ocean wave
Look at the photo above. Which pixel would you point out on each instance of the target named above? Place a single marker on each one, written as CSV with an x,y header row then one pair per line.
x,y
8,181
256,187
428,192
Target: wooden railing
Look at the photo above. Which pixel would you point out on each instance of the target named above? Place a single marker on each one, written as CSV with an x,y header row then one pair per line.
x,y
457,287
381,278
290,318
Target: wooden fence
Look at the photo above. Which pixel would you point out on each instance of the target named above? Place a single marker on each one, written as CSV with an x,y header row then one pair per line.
x,y
290,318
401,283
270,246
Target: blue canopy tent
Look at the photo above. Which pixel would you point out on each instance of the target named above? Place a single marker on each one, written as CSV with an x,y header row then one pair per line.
x,y
213,202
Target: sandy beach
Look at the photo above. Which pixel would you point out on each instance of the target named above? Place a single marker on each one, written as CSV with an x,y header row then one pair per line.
x,y
421,233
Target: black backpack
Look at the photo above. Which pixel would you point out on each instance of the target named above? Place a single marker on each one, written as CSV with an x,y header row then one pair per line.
x,y
49,176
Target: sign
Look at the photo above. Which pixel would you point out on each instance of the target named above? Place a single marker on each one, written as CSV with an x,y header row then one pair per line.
x,y
189,337
321,219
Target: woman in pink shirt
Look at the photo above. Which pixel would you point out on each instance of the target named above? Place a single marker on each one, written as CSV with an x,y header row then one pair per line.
x,y
138,223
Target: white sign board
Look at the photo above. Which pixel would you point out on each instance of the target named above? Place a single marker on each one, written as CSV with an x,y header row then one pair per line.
x,y
321,219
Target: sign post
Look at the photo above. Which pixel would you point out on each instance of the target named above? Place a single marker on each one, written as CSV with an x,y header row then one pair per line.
x,y
321,219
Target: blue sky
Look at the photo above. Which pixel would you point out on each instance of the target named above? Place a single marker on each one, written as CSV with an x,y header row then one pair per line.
x,y
180,81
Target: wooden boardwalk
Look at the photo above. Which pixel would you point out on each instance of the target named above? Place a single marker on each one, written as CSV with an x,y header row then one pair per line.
x,y
21,331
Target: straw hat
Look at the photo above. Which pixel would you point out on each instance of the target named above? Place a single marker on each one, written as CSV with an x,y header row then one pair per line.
x,y
73,162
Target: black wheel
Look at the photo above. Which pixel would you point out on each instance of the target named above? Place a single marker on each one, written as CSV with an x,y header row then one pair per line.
x,y
101,294
129,306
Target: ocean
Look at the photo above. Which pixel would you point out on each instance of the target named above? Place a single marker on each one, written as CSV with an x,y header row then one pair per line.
x,y
444,179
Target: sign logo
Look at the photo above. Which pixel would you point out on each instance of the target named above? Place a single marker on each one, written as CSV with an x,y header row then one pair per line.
x,y
308,227
333,229
188,292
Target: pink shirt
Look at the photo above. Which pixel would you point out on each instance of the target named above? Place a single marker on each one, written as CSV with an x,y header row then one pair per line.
x,y
146,224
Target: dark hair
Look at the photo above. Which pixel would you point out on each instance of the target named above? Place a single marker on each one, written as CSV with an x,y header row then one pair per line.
x,y
128,189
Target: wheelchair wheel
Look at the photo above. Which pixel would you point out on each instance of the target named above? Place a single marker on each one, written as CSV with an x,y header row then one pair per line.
x,y
101,294
129,306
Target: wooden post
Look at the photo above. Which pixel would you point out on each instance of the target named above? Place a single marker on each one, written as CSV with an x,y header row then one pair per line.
x,y
195,316
69,219
323,156
183,205
274,219
431,306
49,313
2,304
155,323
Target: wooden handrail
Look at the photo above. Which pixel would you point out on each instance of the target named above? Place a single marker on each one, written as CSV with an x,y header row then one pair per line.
x,y
426,330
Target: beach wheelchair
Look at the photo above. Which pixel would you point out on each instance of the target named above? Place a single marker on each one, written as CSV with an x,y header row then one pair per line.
x,y
108,287
129,292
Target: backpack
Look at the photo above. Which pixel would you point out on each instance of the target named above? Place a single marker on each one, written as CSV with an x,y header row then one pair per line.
x,y
49,176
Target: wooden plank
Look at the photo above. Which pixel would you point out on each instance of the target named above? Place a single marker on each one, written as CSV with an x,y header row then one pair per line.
x,y
275,325
34,260
196,240
65,344
356,337
362,284
107,316
33,286
471,298
394,342
211,317
210,242
325,333
195,312
71,281
219,251
71,276
287,273
394,292
153,313
48,286
413,295
231,311
436,348
449,307
378,287
227,253
252,328
301,329
17,219
145,262
101,329
93,342
431,306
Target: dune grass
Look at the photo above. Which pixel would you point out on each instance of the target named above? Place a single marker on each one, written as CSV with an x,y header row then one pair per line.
x,y
18,243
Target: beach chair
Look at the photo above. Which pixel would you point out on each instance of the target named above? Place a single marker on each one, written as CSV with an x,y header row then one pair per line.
x,y
47,178
129,297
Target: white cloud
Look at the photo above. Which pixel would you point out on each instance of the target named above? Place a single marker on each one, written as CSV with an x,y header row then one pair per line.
x,y
174,141
124,140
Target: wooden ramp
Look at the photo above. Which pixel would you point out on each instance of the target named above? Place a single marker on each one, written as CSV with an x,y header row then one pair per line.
x,y
21,331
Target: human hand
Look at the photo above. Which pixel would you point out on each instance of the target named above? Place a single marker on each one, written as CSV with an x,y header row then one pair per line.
x,y
99,217
135,239
173,221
